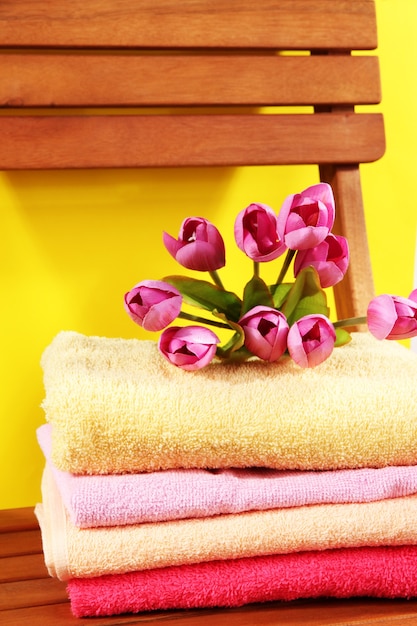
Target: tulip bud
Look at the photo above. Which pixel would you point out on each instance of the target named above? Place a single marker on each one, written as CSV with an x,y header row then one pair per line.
x,y
256,233
199,245
189,348
153,304
306,218
266,331
330,259
311,340
393,317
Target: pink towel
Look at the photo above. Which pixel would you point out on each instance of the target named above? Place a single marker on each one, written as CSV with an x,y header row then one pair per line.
x,y
383,572
72,552
112,500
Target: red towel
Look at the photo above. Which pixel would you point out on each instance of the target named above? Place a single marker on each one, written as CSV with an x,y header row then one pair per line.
x,y
382,572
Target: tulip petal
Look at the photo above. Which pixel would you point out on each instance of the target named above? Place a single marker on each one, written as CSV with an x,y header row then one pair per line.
x,y
171,244
381,316
256,233
201,256
189,348
266,331
153,304
199,245
311,340
306,237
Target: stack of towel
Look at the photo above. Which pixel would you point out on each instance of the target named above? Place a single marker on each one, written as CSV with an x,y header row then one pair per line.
x,y
232,484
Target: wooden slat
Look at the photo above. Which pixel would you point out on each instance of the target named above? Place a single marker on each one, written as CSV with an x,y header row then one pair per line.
x,y
20,542
86,80
24,594
60,615
199,140
25,567
291,24
18,519
305,613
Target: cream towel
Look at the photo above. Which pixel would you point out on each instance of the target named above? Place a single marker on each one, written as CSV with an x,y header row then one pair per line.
x,y
71,552
118,406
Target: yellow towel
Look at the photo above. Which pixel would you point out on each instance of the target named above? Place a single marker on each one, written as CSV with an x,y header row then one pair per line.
x,y
117,405
72,552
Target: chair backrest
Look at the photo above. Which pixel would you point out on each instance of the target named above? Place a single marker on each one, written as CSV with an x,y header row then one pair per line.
x,y
136,83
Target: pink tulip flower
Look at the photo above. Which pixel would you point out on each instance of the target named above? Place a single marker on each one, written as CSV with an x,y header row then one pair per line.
x,y
199,245
266,331
393,317
330,259
153,304
306,218
189,348
256,233
311,340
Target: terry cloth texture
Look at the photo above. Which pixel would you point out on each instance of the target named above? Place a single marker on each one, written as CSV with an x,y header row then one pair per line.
x,y
382,572
71,552
118,406
118,499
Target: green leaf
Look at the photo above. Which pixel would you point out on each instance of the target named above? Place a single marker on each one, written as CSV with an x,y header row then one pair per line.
x,y
279,293
342,337
207,296
256,293
305,297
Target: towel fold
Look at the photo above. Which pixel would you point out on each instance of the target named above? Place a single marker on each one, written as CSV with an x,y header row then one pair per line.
x,y
117,405
382,572
118,499
72,552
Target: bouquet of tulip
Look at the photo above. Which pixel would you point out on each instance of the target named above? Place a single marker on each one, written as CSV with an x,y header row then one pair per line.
x,y
268,321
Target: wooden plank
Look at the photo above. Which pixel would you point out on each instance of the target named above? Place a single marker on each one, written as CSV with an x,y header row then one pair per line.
x,y
25,594
18,519
60,615
112,80
291,24
304,613
196,140
24,567
20,542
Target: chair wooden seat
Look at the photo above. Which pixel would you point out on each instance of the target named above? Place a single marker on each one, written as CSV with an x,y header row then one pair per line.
x,y
160,83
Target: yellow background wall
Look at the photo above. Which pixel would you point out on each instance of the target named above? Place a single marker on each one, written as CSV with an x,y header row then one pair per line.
x,y
73,242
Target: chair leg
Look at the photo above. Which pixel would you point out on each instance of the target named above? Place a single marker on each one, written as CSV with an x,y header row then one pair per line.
x,y
353,293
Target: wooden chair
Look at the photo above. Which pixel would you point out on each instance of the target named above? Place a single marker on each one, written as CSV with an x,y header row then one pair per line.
x,y
139,83
62,63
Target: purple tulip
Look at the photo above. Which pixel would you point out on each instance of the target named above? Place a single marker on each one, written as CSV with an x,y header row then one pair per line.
x,y
330,259
256,233
266,331
153,304
189,348
306,218
311,340
393,317
199,245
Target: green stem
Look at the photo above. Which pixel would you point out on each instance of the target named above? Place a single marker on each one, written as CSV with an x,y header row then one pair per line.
x,y
256,268
285,266
350,321
216,279
202,320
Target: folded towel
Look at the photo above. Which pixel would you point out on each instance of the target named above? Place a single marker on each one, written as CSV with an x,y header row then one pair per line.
x,y
116,499
73,552
382,572
117,405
